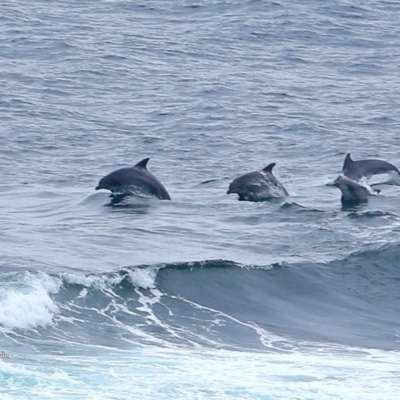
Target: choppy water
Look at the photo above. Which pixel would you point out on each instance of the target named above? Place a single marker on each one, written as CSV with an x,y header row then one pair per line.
x,y
202,297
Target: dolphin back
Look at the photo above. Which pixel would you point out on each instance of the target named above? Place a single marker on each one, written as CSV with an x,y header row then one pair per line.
x,y
357,170
148,183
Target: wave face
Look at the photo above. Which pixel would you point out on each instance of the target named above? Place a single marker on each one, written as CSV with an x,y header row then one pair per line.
x,y
213,304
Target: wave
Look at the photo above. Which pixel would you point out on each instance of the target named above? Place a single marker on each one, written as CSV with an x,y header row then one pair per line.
x,y
213,303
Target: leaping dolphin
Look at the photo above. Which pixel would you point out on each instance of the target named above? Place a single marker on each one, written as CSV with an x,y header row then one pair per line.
x,y
356,170
352,191
258,185
136,180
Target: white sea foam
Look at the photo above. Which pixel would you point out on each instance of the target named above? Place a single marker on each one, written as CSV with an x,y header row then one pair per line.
x,y
143,277
26,302
140,277
103,281
172,374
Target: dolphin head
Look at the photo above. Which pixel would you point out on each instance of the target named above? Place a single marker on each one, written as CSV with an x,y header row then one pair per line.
x,y
352,191
344,183
250,186
106,183
112,182
241,190
122,178
233,188
238,185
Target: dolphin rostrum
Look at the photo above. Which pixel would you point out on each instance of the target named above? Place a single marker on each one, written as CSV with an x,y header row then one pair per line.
x,y
356,170
136,180
258,185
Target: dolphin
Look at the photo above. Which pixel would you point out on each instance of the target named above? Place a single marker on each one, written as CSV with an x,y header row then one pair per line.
x,y
136,180
258,185
352,192
356,170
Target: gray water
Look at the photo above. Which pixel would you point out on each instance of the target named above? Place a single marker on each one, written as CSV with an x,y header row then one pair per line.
x,y
203,296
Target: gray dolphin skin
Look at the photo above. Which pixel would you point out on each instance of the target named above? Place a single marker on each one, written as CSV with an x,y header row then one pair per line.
x,y
258,185
357,170
136,180
352,191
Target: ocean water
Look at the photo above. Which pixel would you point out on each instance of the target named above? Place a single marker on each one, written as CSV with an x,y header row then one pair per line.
x,y
204,296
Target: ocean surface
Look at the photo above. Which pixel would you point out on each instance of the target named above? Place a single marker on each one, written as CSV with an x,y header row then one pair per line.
x,y
204,296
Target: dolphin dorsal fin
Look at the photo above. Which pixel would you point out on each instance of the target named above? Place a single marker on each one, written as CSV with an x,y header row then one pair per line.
x,y
143,163
269,167
347,160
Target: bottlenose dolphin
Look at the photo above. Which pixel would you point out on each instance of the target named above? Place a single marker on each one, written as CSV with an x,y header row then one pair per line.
x,y
352,191
136,180
258,185
357,170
